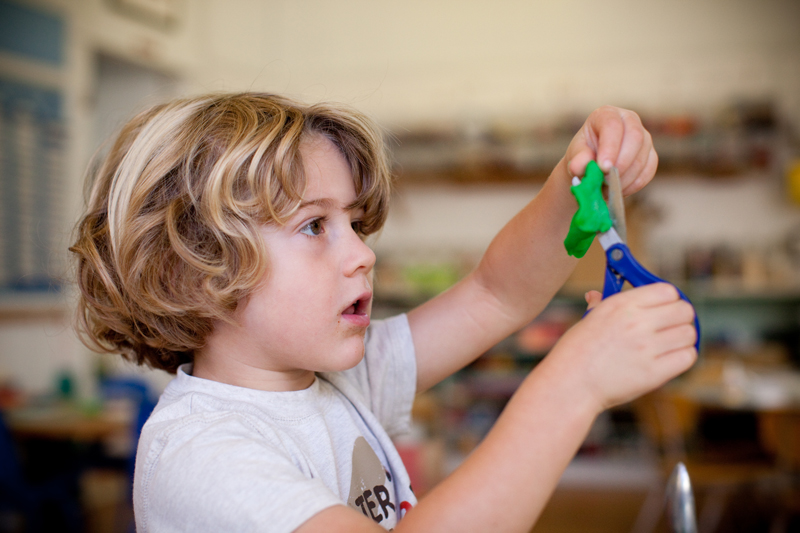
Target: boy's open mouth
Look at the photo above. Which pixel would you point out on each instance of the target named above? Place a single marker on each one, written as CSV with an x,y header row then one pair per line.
x,y
360,306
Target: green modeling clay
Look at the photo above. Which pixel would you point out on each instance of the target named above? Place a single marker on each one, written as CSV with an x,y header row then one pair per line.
x,y
592,216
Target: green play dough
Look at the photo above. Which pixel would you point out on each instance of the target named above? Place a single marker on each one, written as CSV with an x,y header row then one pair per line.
x,y
592,216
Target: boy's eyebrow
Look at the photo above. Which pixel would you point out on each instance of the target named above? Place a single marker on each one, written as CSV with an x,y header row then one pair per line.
x,y
325,203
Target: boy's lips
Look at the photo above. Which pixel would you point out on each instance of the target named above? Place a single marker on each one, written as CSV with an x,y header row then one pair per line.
x,y
357,313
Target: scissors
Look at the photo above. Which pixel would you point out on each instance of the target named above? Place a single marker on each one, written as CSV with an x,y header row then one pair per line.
x,y
680,501
621,266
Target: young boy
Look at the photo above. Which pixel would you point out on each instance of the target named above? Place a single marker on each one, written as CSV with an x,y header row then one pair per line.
x,y
224,241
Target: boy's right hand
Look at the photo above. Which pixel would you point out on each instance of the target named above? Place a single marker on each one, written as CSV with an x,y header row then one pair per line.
x,y
629,344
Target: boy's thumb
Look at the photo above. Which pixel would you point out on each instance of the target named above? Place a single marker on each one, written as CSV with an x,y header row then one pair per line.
x,y
592,299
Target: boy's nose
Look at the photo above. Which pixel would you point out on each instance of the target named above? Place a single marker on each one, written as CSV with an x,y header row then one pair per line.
x,y
360,257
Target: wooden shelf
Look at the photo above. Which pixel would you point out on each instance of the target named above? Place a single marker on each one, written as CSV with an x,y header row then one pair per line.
x,y
529,155
18,307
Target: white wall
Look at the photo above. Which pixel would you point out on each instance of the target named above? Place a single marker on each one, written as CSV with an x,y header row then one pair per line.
x,y
469,59
441,221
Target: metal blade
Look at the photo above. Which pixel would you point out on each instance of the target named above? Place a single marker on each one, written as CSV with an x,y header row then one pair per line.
x,y
609,238
680,501
616,204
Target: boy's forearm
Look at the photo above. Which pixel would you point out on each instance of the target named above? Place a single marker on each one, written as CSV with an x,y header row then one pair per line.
x,y
526,263
631,343
522,269
505,483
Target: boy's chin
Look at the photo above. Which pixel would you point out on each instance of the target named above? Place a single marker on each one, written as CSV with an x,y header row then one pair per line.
x,y
347,361
354,360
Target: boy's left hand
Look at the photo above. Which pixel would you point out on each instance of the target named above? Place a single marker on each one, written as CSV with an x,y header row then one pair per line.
x,y
614,137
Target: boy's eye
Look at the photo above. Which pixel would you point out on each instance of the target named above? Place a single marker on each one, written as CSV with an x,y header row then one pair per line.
x,y
358,227
313,228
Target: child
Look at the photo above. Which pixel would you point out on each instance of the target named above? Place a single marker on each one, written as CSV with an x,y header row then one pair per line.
x,y
224,242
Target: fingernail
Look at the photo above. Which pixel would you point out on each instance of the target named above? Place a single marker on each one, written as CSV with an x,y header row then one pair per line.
x,y
607,164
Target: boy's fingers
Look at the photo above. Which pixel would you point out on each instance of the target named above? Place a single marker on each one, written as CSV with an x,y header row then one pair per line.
x,y
645,175
676,362
633,169
614,137
592,299
676,338
577,165
653,294
609,127
673,314
635,142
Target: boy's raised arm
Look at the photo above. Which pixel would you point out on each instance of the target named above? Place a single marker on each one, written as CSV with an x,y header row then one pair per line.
x,y
631,343
526,263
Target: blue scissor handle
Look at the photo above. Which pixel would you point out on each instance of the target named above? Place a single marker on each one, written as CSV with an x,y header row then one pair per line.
x,y
622,266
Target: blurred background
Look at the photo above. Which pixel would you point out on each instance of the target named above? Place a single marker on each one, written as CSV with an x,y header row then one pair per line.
x,y
479,101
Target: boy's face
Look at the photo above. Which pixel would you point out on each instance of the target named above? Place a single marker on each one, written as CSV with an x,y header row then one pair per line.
x,y
313,308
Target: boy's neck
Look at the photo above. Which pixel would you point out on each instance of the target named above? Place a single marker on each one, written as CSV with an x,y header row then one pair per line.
x,y
240,374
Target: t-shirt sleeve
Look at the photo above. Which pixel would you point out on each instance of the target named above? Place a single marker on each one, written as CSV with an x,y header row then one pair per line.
x,y
388,374
222,479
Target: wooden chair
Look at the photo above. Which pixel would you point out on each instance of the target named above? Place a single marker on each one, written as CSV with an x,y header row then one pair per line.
x,y
781,433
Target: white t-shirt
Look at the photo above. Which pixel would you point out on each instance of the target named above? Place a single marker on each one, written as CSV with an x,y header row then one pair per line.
x,y
216,457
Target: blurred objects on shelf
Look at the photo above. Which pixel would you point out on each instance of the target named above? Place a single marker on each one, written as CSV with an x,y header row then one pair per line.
x,y
757,378
736,138
478,153
538,337
753,271
422,453
65,385
793,179
752,115
87,422
792,246
726,262
699,263
765,268
10,394
429,279
414,278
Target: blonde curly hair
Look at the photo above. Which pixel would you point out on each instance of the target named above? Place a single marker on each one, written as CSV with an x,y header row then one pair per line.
x,y
170,239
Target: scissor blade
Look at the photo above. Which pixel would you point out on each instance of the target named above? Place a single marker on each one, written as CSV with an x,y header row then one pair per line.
x,y
680,501
609,238
616,204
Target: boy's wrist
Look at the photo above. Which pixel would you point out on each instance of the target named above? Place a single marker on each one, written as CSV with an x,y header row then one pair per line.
x,y
570,384
561,180
562,174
